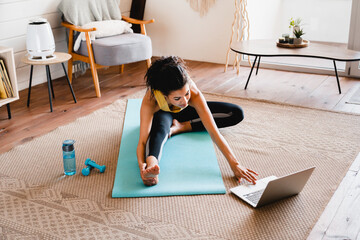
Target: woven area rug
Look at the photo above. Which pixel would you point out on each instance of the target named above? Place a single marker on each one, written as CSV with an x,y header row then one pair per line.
x,y
37,200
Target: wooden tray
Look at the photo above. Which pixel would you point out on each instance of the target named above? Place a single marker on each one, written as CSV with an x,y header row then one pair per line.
x,y
305,43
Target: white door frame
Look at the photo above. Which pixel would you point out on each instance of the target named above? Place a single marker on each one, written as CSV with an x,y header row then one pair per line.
x,y
352,68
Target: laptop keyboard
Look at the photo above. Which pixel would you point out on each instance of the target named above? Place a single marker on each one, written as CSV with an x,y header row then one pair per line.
x,y
254,197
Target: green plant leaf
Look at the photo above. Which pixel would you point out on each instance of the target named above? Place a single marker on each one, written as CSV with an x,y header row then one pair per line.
x,y
298,33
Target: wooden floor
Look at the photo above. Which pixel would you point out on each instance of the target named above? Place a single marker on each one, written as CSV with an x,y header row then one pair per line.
x,y
308,90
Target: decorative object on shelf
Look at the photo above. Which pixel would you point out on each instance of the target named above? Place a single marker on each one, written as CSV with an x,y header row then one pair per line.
x,y
298,33
201,6
40,42
294,24
241,20
286,37
282,40
304,43
294,39
291,40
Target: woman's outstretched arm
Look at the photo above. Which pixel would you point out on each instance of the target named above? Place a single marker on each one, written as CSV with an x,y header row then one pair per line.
x,y
199,103
147,111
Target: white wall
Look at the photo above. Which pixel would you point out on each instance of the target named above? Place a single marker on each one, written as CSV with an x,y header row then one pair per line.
x,y
324,20
179,30
14,17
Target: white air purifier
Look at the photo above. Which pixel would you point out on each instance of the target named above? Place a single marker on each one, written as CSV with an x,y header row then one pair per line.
x,y
40,42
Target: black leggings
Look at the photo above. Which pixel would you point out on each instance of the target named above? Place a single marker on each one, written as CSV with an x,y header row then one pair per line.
x,y
224,114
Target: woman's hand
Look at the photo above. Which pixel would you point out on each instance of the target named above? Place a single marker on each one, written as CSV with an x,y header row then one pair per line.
x,y
245,173
147,181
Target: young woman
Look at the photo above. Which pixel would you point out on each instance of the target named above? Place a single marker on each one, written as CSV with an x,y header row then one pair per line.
x,y
173,104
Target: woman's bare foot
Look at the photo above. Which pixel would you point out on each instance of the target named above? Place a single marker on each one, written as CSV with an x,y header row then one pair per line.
x,y
151,172
179,127
151,181
152,167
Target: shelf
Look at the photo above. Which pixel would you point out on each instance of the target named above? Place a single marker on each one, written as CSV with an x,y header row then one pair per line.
x,y
7,54
7,100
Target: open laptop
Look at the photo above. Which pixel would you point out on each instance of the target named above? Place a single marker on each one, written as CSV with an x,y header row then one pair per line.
x,y
271,189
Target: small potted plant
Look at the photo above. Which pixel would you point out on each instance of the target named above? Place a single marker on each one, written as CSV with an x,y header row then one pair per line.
x,y
298,34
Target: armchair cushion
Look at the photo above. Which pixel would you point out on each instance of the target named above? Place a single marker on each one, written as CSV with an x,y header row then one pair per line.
x,y
119,49
103,29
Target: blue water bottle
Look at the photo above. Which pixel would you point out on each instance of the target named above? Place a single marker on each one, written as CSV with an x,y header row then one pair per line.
x,y
69,157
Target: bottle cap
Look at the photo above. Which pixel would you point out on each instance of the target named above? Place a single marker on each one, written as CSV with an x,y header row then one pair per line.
x,y
68,145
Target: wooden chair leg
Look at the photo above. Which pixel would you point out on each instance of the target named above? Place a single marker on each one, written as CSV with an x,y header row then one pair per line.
x,y
148,62
121,68
95,77
93,65
70,69
70,61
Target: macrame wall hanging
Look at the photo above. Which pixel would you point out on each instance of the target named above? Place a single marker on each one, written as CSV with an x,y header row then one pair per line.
x,y
201,6
240,27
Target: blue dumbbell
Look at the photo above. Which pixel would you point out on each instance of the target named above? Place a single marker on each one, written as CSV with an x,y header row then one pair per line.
x,y
86,171
89,162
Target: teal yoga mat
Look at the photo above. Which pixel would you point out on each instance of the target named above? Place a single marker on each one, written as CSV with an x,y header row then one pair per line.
x,y
188,164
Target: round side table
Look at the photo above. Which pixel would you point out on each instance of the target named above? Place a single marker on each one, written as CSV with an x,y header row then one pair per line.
x,y
60,57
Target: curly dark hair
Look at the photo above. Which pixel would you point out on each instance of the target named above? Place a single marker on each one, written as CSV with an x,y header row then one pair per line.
x,y
167,74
